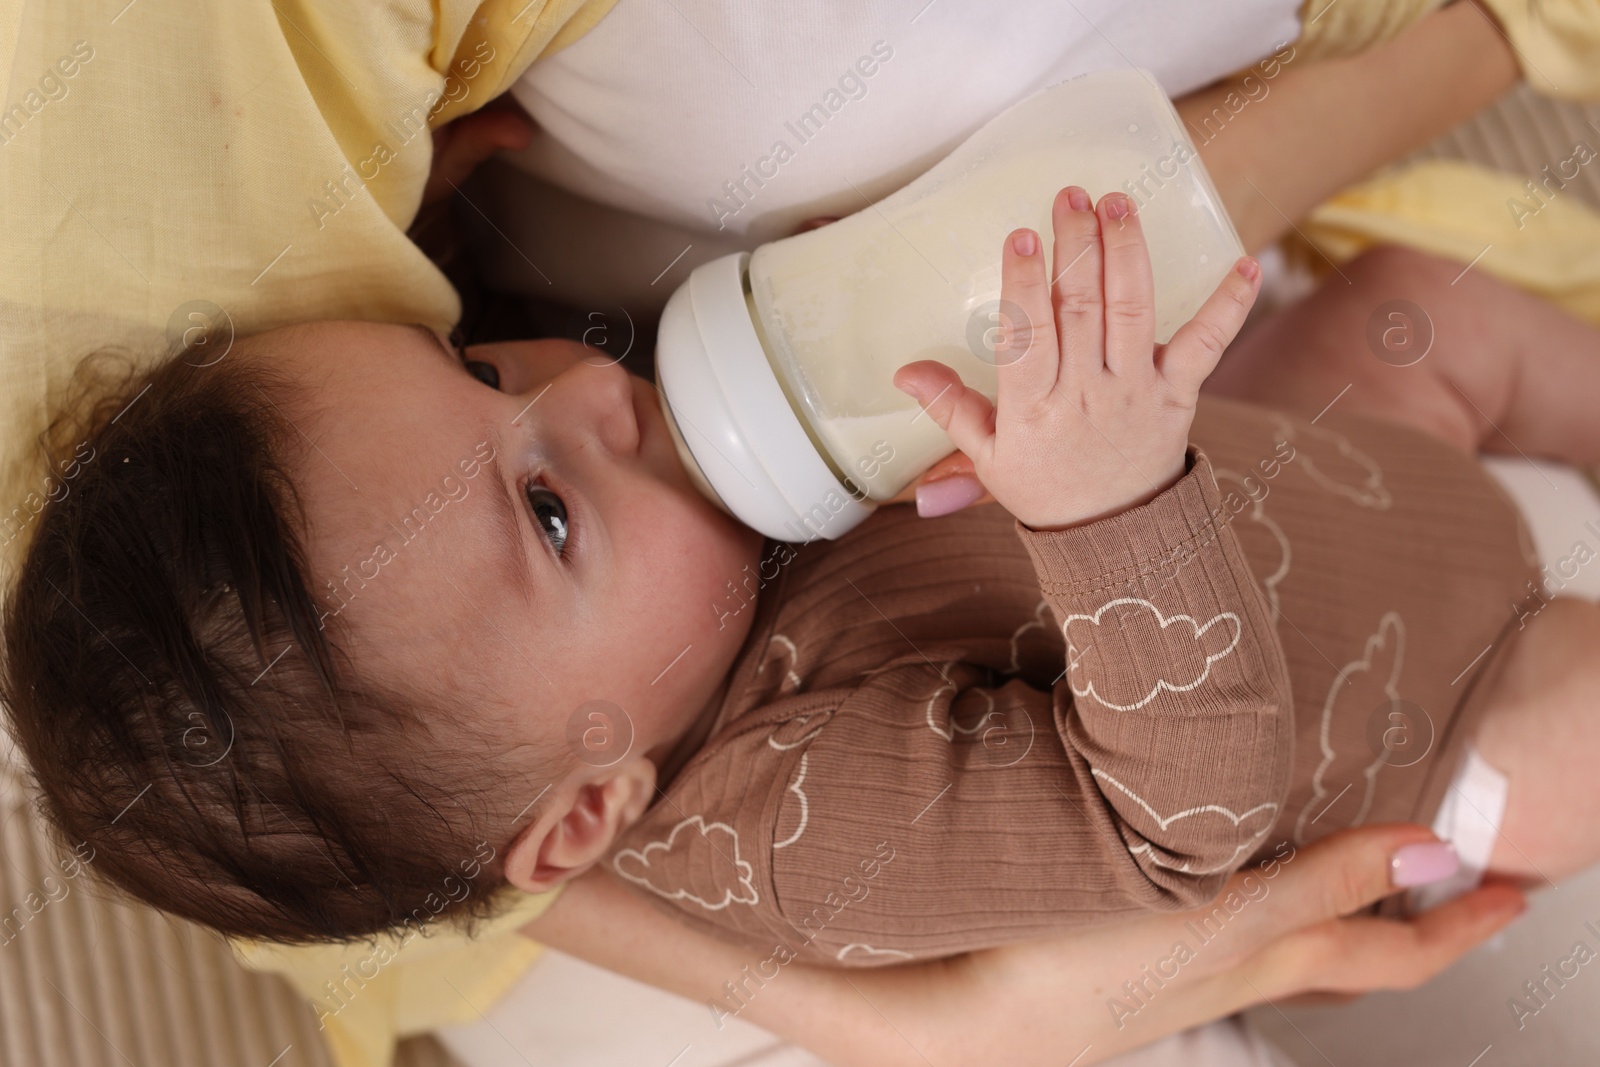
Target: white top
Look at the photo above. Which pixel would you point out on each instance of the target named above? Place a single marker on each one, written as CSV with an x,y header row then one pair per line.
x,y
678,133
735,121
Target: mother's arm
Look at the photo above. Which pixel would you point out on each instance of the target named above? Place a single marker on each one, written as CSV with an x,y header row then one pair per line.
x,y
1046,1001
1344,118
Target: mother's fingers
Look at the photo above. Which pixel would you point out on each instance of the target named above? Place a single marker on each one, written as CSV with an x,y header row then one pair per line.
x,y
459,146
1300,888
1344,957
949,485
1362,954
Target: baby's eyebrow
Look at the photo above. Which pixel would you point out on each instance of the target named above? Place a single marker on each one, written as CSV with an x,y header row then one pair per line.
x,y
437,345
506,512
506,497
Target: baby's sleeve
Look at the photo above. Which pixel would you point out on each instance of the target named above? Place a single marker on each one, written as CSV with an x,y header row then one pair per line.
x,y
1180,693
941,807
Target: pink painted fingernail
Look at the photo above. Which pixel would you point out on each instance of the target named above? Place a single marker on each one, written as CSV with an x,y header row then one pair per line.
x,y
947,495
1024,243
1423,864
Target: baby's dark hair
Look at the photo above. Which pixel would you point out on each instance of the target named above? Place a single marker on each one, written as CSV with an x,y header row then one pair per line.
x,y
185,712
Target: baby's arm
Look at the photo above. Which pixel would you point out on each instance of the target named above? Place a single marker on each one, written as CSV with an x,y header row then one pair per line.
x,y
931,811
1176,703
1180,718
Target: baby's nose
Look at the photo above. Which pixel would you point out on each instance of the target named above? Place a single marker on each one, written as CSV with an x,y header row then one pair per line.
x,y
601,399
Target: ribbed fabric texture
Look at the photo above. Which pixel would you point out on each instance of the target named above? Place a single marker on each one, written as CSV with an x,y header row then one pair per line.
x,y
946,734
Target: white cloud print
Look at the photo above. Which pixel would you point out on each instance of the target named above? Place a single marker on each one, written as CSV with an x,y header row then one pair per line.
x,y
1331,461
707,856
1124,682
1161,858
856,952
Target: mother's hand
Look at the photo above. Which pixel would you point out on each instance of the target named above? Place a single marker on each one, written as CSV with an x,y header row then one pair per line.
x,y
1294,933
1290,931
949,485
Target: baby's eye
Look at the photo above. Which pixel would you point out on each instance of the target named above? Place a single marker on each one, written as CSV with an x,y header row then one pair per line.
x,y
484,372
551,515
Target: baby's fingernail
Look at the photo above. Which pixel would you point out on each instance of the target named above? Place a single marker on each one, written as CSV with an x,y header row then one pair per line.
x,y
1078,200
1248,268
947,495
1117,206
1024,243
1423,864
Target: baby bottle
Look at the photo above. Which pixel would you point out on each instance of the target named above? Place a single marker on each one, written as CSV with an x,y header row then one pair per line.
x,y
776,366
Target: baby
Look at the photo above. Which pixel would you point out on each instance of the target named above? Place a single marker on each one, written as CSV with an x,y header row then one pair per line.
x,y
344,627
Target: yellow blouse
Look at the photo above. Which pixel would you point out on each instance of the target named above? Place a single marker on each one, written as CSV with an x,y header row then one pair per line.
x,y
162,170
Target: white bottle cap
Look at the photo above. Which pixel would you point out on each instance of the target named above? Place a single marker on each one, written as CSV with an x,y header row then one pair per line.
x,y
735,428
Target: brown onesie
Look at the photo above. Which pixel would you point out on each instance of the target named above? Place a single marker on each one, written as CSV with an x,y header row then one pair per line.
x,y
945,734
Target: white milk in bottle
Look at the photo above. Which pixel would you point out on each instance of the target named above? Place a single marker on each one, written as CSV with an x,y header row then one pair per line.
x,y
835,311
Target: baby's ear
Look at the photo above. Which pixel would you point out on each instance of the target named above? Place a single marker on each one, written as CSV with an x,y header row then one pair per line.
x,y
578,827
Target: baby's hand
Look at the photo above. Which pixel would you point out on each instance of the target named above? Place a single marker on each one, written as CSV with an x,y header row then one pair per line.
x,y
1093,416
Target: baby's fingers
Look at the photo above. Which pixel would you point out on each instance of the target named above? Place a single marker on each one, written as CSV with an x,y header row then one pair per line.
x,y
1026,354
963,413
1079,295
1192,354
1130,290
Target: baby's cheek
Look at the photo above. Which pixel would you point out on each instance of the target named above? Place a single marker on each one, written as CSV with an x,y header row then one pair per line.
x,y
707,570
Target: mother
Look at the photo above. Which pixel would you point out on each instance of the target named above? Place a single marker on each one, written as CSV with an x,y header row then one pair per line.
x,y
162,172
